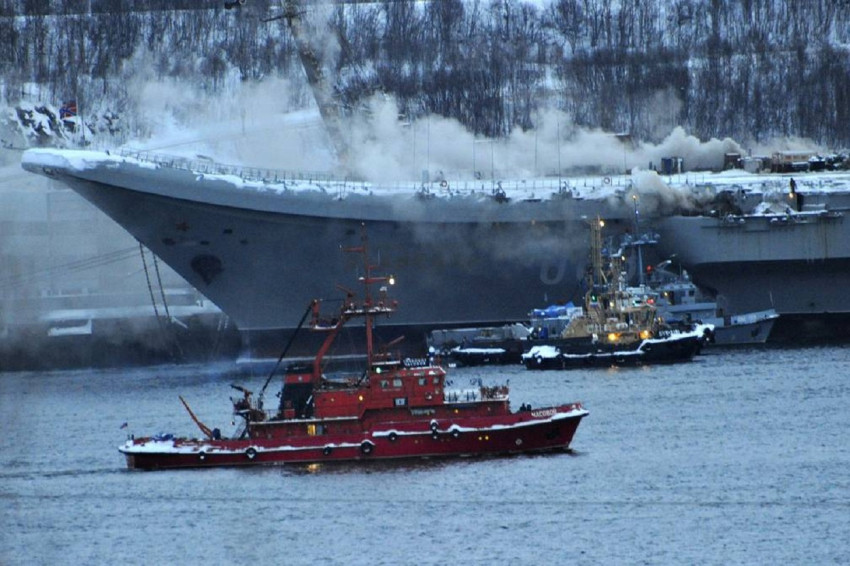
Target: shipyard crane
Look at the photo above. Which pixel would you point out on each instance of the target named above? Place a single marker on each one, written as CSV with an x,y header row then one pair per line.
x,y
292,12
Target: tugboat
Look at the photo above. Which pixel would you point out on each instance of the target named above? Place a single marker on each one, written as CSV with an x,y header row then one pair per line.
x,y
614,328
391,409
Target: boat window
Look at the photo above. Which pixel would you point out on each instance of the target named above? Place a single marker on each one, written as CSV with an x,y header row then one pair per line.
x,y
436,380
311,430
422,381
400,401
384,384
397,382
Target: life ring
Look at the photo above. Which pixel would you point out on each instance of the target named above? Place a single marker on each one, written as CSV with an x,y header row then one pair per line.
x,y
393,437
444,183
607,180
327,450
251,452
428,396
455,433
366,447
202,455
433,426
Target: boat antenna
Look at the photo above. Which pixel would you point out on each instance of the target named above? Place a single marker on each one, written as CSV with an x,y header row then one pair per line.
x,y
285,350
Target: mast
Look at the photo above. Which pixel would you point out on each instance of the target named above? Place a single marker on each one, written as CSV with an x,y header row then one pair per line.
x,y
351,309
641,279
370,308
596,251
597,277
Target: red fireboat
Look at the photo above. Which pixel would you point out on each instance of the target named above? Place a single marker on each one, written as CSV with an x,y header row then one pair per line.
x,y
391,409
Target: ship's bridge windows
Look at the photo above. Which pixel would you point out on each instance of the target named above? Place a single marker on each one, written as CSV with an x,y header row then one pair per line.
x,y
423,381
400,401
397,382
436,380
385,383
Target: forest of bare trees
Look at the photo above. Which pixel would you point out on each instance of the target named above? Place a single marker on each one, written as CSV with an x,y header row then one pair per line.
x,y
752,70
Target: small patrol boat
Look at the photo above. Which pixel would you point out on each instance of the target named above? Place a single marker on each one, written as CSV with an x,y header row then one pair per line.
x,y
392,408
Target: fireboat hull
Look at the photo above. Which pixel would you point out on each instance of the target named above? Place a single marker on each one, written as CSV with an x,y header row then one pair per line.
x,y
532,431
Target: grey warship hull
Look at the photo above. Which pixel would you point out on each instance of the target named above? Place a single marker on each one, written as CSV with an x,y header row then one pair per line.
x,y
797,265
261,245
262,253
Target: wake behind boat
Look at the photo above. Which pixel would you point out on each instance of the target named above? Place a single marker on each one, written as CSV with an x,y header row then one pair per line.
x,y
390,409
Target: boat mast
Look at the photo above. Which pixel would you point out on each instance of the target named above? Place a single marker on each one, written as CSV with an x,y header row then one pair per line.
x,y
598,280
370,308
596,252
641,279
350,309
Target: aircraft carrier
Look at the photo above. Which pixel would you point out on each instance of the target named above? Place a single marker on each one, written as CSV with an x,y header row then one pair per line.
x,y
793,256
262,244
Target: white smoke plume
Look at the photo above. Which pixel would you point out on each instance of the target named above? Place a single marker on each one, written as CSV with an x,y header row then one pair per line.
x,y
386,147
275,124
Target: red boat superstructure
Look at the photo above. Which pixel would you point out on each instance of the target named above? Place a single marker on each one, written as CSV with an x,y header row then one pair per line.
x,y
391,409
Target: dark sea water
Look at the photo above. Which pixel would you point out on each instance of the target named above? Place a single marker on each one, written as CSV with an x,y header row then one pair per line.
x,y
740,457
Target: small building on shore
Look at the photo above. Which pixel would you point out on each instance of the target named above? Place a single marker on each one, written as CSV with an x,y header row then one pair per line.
x,y
790,161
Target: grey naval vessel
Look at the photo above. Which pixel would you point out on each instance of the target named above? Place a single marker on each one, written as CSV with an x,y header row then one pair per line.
x,y
773,249
262,244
